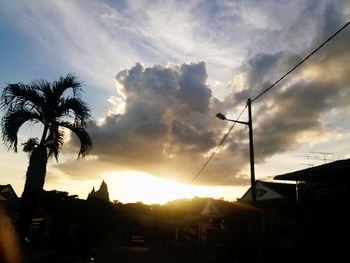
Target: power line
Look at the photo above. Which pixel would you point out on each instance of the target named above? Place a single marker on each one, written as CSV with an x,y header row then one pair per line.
x,y
302,61
266,90
217,148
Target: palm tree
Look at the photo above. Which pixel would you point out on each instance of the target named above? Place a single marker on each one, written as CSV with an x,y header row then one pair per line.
x,y
52,105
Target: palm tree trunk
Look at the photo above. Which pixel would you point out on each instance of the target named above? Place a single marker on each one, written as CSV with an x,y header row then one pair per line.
x,y
43,137
35,178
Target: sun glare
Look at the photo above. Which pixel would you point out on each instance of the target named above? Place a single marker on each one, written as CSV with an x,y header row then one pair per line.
x,y
134,186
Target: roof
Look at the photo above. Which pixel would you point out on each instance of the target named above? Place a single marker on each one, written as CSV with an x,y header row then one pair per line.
x,y
285,190
210,210
336,172
271,191
7,193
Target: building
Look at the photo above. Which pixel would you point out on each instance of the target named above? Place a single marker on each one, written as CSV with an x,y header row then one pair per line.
x,y
323,210
329,181
268,191
8,194
101,194
10,201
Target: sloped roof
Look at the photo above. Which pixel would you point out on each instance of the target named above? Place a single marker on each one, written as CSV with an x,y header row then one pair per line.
x,y
285,190
225,208
271,190
7,193
337,172
210,210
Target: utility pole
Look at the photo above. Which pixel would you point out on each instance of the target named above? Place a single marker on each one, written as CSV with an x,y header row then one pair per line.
x,y
249,123
251,150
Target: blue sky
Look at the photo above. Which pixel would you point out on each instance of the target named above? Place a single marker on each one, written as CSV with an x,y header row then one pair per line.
x,y
156,72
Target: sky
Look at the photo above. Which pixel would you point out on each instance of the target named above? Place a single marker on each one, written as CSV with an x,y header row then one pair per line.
x,y
155,73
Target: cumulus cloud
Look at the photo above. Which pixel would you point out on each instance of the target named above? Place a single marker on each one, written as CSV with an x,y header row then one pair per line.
x,y
167,126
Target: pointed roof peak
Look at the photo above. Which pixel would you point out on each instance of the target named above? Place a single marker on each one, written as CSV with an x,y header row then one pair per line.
x,y
101,193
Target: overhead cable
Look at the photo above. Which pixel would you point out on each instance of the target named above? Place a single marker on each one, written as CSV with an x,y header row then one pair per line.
x,y
217,148
266,90
302,61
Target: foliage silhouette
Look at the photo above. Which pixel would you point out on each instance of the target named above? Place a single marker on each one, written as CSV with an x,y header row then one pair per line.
x,y
51,105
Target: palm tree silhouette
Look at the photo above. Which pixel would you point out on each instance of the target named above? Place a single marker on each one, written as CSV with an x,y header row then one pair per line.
x,y
52,105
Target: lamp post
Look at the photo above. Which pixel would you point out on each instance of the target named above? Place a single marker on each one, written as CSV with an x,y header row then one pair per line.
x,y
251,145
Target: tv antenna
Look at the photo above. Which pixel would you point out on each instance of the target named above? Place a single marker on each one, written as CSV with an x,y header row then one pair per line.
x,y
308,158
325,154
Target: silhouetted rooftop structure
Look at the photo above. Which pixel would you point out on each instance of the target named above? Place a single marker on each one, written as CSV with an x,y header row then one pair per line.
x,y
271,191
335,172
7,193
9,199
101,194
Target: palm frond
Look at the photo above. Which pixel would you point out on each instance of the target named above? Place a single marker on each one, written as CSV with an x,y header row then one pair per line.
x,y
12,121
85,140
42,101
55,140
18,96
45,88
77,107
43,85
64,83
30,145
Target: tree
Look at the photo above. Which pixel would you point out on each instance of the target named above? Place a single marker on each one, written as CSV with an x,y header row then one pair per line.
x,y
55,107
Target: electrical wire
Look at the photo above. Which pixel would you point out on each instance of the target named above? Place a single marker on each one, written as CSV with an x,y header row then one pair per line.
x,y
217,148
302,61
263,92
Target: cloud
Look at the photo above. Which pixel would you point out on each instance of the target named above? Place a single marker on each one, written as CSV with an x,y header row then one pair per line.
x,y
95,39
168,127
162,119
297,105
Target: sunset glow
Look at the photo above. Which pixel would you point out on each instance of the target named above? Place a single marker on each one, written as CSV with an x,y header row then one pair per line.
x,y
174,131
155,74
136,186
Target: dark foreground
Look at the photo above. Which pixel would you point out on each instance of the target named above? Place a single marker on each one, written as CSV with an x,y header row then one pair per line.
x,y
73,230
132,254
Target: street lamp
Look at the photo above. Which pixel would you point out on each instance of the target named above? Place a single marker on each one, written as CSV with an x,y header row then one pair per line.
x,y
251,145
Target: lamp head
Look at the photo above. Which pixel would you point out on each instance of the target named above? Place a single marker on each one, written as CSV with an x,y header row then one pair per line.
x,y
220,116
